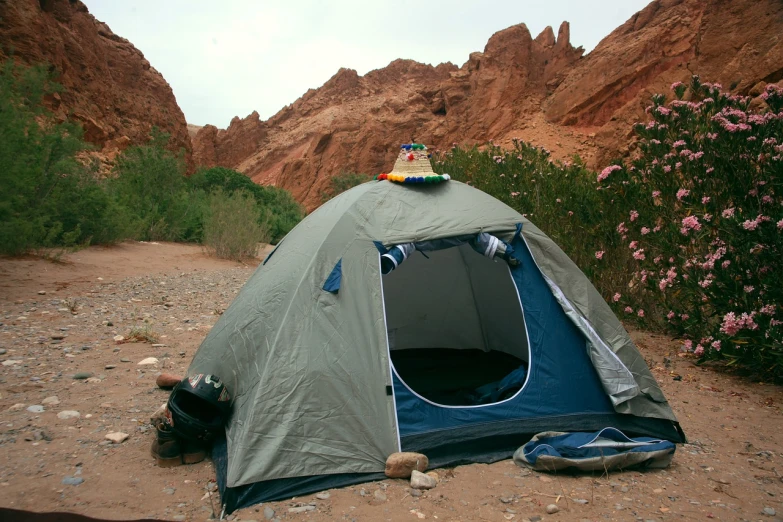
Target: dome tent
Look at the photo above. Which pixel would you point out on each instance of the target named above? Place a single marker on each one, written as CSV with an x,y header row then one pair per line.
x,y
333,366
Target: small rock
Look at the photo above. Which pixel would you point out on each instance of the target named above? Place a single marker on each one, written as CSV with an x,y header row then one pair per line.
x,y
51,401
301,509
35,408
552,509
82,375
38,435
11,362
269,513
323,495
16,407
41,292
535,518
768,511
110,366
415,493
167,380
169,491
94,380
118,338
124,359
421,481
3,351
182,517
379,495
400,465
117,437
147,362
68,414
72,481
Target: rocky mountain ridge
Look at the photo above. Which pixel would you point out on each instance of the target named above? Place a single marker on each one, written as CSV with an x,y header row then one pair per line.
x,y
538,89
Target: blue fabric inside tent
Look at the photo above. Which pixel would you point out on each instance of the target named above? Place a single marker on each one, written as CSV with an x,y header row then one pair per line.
x,y
561,380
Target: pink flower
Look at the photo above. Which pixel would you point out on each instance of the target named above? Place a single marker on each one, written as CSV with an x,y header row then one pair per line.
x,y
622,229
608,170
667,168
733,324
729,212
656,193
670,315
640,312
685,317
748,288
558,200
679,143
682,193
628,310
779,224
715,345
514,194
705,200
751,224
676,85
616,297
753,192
639,255
688,344
690,223
767,199
633,245
634,215
599,254
725,264
768,309
645,231
570,213
699,351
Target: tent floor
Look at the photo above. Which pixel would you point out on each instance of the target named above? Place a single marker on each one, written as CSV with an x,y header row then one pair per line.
x,y
447,376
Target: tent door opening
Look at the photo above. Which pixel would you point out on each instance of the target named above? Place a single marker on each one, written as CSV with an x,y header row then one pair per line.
x,y
456,327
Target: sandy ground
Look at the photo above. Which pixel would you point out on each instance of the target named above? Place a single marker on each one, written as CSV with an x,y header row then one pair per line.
x,y
60,319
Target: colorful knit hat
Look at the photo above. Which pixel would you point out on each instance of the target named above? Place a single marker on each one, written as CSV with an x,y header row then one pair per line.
x,y
413,166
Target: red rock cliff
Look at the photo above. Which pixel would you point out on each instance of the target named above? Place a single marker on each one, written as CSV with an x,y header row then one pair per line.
x,y
110,88
349,123
541,90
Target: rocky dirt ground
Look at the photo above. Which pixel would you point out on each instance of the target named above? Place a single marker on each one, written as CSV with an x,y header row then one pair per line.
x,y
58,324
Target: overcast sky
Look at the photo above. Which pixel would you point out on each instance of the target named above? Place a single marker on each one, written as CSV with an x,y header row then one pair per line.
x,y
229,58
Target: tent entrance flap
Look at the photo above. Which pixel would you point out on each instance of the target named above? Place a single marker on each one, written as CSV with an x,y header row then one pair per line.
x,y
456,329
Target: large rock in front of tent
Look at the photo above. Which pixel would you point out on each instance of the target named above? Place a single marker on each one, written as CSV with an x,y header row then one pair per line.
x,y
400,465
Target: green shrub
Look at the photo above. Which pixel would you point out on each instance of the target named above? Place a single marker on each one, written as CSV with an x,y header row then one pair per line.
x,y
48,198
701,214
231,228
280,212
149,182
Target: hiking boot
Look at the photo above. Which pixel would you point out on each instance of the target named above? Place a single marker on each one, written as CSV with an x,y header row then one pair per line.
x,y
166,448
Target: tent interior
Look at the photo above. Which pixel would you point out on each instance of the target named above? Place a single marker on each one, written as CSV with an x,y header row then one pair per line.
x,y
456,328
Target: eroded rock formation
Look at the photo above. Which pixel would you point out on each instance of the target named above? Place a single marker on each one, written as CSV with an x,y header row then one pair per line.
x,y
110,88
539,89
